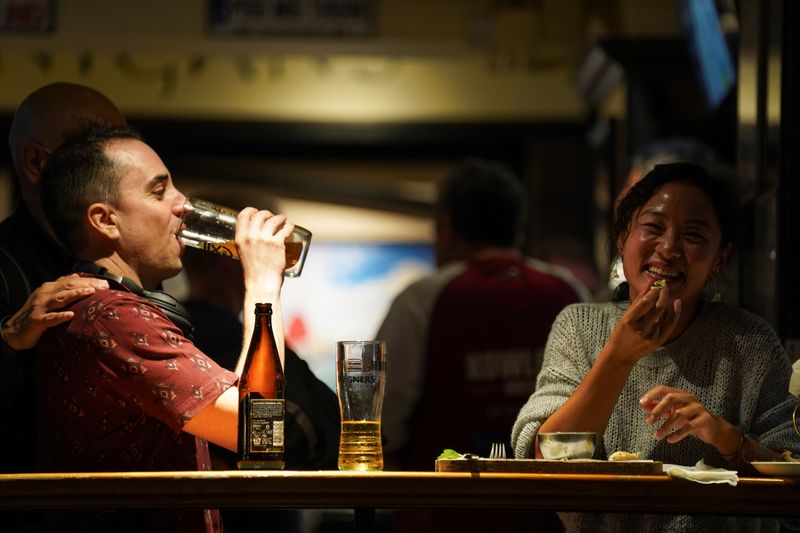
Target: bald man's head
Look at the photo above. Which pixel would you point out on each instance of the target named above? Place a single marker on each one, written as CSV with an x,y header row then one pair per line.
x,y
41,123
52,112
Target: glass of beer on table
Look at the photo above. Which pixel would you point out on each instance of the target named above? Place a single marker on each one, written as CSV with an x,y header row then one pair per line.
x,y
360,383
211,227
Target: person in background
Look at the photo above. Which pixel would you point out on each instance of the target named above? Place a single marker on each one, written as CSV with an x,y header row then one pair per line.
x,y
465,344
468,339
138,395
665,372
575,255
35,282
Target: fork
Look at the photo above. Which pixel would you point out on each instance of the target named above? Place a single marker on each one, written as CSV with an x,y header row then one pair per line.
x,y
498,451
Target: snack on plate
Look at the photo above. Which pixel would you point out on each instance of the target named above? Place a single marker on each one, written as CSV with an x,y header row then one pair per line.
x,y
623,456
789,458
659,284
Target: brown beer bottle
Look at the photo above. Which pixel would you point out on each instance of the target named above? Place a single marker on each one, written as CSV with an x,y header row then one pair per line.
x,y
262,396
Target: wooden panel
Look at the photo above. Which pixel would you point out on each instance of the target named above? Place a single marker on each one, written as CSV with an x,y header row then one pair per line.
x,y
397,490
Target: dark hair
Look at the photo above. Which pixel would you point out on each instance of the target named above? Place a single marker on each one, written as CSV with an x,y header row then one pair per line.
x,y
717,191
77,174
485,203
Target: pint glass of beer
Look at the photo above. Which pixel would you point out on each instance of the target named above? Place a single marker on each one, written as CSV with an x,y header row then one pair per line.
x,y
360,382
211,227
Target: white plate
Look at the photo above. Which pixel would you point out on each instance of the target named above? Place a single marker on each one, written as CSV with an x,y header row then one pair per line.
x,y
777,468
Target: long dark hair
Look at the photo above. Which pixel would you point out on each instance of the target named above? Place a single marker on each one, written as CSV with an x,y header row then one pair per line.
x,y
717,191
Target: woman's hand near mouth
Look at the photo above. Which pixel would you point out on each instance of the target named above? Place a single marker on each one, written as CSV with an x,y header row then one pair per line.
x,y
645,326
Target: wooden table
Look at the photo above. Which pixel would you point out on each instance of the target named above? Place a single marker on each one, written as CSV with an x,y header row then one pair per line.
x,y
397,490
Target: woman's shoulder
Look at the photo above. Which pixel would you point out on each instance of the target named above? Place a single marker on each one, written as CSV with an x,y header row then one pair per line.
x,y
731,316
739,325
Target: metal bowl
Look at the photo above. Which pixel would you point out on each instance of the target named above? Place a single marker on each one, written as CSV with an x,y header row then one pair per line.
x,y
567,444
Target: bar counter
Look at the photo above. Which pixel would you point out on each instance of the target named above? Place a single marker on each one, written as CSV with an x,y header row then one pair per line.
x,y
398,490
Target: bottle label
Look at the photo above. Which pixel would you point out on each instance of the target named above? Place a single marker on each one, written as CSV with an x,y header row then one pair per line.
x,y
266,421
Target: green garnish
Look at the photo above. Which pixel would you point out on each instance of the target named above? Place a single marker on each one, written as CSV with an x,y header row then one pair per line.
x,y
450,454
659,284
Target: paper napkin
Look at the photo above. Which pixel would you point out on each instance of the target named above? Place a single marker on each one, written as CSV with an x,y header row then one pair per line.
x,y
702,473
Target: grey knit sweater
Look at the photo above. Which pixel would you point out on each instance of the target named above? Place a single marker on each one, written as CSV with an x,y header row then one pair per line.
x,y
731,360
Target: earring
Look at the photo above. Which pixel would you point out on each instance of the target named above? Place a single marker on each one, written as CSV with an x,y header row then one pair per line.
x,y
614,274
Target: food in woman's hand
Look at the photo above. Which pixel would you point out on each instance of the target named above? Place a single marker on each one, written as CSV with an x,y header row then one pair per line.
x,y
623,456
659,284
789,457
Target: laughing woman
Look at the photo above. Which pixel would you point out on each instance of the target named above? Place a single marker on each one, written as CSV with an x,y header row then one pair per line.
x,y
663,371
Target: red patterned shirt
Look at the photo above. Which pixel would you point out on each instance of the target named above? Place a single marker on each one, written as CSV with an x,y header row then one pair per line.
x,y
116,385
